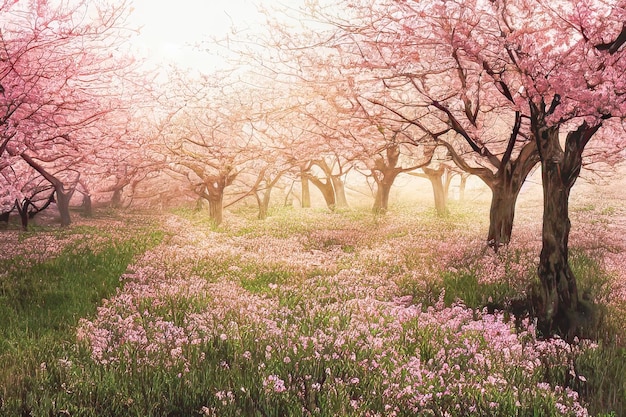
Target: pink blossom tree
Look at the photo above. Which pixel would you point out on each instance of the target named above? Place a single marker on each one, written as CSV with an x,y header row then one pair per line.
x,y
566,63
207,134
270,118
410,65
57,68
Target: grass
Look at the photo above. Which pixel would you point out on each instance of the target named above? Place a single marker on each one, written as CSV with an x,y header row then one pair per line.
x,y
41,303
297,315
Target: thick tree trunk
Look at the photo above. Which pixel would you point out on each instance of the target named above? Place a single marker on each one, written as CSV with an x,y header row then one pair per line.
x,y
559,293
384,181
63,204
216,207
381,201
306,191
435,176
340,192
558,303
505,183
327,190
501,215
441,199
329,195
505,190
213,192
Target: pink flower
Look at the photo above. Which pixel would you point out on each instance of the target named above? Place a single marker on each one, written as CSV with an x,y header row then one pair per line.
x,y
275,383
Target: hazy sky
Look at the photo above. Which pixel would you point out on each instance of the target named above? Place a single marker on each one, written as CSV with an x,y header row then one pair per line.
x,y
169,27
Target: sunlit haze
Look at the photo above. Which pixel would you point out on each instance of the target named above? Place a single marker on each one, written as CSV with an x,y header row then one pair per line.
x,y
171,31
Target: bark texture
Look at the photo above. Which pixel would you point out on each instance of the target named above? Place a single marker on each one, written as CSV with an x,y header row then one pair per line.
x,y
558,304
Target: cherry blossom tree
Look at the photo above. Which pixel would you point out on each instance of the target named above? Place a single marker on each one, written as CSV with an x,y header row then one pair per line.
x,y
324,147
396,154
271,120
566,63
208,136
410,66
355,134
439,173
23,190
57,67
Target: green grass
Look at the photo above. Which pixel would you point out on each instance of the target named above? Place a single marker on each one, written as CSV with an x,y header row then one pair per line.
x,y
262,281
41,303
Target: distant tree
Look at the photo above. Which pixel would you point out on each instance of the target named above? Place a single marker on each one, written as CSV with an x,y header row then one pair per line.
x,y
397,154
439,174
207,136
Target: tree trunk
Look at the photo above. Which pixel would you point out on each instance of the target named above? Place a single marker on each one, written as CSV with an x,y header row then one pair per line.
x,y
287,202
63,197
462,185
327,190
4,219
559,293
306,191
558,303
116,198
446,183
440,198
381,201
216,207
87,206
384,177
501,215
264,204
329,195
340,192
22,209
505,190
63,203
439,192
